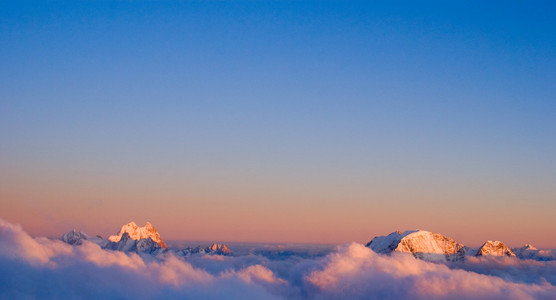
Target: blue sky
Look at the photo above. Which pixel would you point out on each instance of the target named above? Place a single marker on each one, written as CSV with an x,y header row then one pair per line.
x,y
375,106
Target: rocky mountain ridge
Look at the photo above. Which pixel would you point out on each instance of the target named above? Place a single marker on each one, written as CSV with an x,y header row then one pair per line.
x,y
421,244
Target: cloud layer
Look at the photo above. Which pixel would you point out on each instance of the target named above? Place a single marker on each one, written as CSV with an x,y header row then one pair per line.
x,y
40,267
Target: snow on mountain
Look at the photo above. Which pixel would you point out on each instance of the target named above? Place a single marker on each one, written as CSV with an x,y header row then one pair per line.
x,y
436,247
128,244
137,233
494,248
130,238
74,237
133,238
422,244
530,252
525,252
188,251
217,249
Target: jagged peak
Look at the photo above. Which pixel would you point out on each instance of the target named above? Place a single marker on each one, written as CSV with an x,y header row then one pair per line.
x,y
494,243
494,248
218,247
137,233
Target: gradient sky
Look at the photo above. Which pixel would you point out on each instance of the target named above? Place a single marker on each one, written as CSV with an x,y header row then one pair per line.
x,y
318,121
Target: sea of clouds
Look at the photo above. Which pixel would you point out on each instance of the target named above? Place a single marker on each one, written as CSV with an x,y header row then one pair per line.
x,y
45,268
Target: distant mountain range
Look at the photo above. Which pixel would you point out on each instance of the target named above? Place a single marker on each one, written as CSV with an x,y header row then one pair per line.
x,y
436,247
146,239
422,244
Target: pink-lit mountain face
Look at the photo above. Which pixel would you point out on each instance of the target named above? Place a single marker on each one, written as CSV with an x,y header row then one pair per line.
x,y
422,244
138,233
494,248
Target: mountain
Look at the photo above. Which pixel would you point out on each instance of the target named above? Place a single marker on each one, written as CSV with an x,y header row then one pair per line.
x,y
494,248
220,249
137,233
146,239
128,244
526,252
130,238
74,237
422,244
530,252
217,249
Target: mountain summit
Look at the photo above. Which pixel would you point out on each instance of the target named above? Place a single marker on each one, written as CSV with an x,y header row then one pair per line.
x,y
137,233
422,244
74,237
495,248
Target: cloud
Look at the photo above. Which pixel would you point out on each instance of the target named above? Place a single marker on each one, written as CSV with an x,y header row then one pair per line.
x,y
44,268
356,272
513,269
16,244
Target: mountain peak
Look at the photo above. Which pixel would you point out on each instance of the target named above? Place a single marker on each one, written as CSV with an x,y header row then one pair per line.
x,y
422,244
529,247
138,233
494,248
74,237
221,249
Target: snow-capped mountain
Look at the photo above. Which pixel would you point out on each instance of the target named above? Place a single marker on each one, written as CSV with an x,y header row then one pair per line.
x,y
422,244
74,237
218,249
130,238
146,239
439,248
527,252
137,233
126,243
530,252
494,248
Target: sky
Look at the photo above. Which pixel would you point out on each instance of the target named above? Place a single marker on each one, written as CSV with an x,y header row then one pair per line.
x,y
286,121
